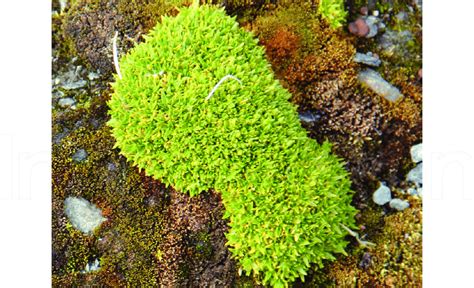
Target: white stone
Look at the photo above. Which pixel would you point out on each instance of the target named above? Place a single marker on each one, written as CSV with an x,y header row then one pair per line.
x,y
382,195
399,204
416,153
416,174
83,215
379,85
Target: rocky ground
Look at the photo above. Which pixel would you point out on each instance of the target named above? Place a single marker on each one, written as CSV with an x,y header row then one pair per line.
x,y
358,86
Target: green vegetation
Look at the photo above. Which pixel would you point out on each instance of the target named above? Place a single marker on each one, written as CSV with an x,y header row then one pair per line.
x,y
333,11
285,195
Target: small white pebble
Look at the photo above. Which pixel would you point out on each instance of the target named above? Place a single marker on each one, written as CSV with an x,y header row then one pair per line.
x,y
399,204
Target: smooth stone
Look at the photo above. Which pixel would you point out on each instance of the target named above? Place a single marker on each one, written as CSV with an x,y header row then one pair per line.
x,y
376,83
416,174
382,195
83,215
367,59
416,153
66,102
399,204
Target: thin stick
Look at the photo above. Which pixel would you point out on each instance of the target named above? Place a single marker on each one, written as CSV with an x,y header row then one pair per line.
x,y
117,67
219,83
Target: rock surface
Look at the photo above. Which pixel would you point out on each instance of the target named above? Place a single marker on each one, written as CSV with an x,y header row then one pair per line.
x,y
83,215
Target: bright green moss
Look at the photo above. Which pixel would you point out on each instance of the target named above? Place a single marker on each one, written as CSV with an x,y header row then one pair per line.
x,y
285,195
333,11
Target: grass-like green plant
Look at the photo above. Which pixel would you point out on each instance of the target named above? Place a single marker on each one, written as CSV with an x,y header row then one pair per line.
x,y
285,195
333,11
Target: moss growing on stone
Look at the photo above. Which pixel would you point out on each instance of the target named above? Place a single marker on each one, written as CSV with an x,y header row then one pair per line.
x,y
285,195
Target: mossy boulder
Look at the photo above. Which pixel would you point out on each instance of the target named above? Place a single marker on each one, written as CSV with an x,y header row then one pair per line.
x,y
285,195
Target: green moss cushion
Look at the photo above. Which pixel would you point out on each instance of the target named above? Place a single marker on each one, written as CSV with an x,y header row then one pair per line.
x,y
285,195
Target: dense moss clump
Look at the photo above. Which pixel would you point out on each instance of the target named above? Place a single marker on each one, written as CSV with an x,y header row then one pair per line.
x,y
285,195
333,11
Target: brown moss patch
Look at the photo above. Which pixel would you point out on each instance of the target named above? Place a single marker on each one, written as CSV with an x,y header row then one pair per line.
x,y
92,24
193,251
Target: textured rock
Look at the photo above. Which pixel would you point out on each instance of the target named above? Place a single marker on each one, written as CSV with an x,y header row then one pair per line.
x,y
376,83
416,153
399,204
83,215
382,195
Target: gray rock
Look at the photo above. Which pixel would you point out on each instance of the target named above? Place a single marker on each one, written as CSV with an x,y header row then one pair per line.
x,y
57,94
376,83
416,153
412,191
83,215
372,22
66,102
399,204
308,117
92,76
416,174
382,195
74,85
80,155
367,59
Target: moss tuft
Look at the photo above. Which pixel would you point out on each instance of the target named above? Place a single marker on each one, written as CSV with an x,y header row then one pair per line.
x,y
285,195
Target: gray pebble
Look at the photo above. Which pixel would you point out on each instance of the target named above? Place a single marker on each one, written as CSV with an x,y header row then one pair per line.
x,y
83,215
93,266
399,204
92,76
58,94
308,117
372,22
367,59
66,102
382,195
74,85
376,83
416,174
412,191
416,153
80,155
